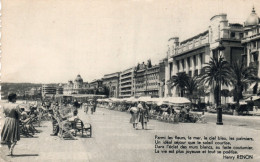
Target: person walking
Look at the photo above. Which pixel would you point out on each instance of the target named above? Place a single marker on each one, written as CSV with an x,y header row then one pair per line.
x,y
11,131
94,105
134,115
85,105
144,114
91,107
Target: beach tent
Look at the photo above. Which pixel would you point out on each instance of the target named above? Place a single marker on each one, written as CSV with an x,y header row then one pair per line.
x,y
253,98
177,100
145,98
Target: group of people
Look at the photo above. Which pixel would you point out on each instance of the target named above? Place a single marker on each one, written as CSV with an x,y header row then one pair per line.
x,y
19,119
139,113
165,112
65,115
90,104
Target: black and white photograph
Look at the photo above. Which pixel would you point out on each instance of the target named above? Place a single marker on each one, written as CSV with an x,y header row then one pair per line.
x,y
130,80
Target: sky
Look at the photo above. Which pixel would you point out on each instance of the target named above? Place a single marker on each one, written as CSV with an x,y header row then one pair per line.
x,y
52,41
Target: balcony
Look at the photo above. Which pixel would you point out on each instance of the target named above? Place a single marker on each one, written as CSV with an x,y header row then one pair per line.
x,y
125,86
191,44
250,38
126,76
126,81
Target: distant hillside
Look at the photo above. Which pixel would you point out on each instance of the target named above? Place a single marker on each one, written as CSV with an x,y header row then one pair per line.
x,y
14,87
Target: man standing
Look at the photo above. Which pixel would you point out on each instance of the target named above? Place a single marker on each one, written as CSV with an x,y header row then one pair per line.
x,y
85,106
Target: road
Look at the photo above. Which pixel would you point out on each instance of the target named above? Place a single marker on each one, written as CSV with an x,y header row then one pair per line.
x,y
242,121
114,139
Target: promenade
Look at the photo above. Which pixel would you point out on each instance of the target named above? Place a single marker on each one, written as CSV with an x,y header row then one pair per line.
x,y
114,139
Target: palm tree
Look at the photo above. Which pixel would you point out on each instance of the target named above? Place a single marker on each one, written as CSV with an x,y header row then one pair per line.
x,y
191,85
216,73
225,93
241,78
179,81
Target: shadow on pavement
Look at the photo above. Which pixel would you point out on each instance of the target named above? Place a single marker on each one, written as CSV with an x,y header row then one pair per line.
x,y
22,155
29,137
142,129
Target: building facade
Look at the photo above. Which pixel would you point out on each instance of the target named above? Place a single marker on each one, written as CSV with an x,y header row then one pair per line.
x,y
149,80
191,55
59,89
76,87
96,86
48,90
126,83
111,82
251,41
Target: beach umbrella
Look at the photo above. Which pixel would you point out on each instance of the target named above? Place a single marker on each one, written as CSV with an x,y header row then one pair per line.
x,y
162,102
253,98
145,98
177,100
240,102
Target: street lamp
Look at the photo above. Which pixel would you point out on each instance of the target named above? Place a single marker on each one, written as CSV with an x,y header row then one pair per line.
x,y
219,108
110,90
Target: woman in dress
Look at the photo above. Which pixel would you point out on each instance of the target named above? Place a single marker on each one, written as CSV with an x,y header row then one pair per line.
x,y
11,132
134,115
144,114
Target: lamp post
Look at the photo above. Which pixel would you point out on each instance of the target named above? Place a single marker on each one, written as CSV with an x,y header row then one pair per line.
x,y
110,89
219,108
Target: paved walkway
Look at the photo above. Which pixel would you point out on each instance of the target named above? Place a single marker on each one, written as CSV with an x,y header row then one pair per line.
x,y
114,139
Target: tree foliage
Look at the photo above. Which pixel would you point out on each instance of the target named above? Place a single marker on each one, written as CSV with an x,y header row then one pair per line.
x,y
241,77
179,81
216,73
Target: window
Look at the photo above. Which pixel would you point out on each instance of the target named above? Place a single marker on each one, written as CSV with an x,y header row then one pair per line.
x,y
182,62
232,35
178,65
196,73
188,61
240,35
190,73
201,58
194,60
215,53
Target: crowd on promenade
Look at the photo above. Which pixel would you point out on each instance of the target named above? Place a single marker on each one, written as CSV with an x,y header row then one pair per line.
x,y
65,120
141,110
21,119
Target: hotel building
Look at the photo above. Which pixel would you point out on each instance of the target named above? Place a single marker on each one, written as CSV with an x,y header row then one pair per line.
x,y
251,40
191,55
76,87
149,81
111,81
126,83
48,90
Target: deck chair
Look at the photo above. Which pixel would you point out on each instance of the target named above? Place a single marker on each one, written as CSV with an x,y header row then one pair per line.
x,y
24,129
34,121
64,130
79,126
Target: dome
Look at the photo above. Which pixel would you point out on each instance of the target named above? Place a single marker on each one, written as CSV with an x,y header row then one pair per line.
x,y
252,19
78,79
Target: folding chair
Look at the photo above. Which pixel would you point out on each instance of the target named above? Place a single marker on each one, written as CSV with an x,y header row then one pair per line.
x,y
80,127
